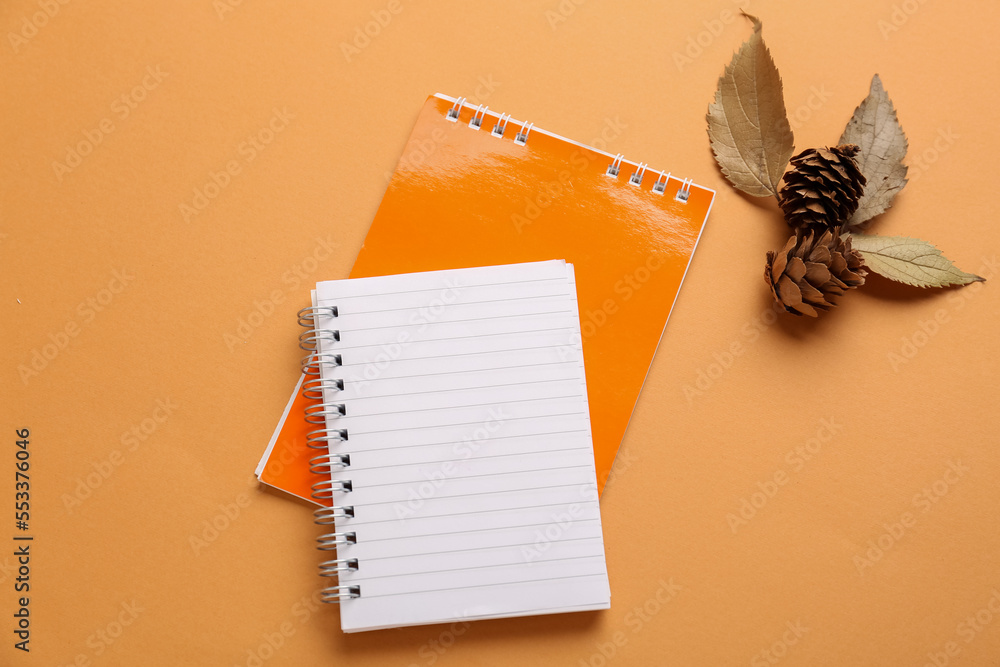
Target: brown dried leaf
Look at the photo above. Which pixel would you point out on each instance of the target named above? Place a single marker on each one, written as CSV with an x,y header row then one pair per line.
x,y
910,261
876,130
747,124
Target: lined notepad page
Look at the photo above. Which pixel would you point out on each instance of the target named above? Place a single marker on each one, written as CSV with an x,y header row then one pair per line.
x,y
471,460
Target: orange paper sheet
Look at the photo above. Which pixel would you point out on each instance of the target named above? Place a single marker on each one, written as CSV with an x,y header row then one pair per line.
x,y
462,197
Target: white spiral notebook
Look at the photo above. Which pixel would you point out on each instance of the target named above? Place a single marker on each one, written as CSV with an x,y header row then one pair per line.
x,y
453,436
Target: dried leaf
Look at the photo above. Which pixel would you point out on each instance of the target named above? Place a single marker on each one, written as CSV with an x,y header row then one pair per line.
x,y
876,130
909,261
747,124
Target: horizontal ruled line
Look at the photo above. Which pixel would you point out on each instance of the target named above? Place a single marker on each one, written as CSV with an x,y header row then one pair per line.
x,y
473,530
354,580
478,421
466,370
474,388
439,289
359,487
485,493
456,442
550,346
356,415
498,546
456,303
470,319
503,583
350,523
449,338
473,458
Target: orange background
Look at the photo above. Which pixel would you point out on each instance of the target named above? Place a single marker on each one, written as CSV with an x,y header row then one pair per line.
x,y
134,573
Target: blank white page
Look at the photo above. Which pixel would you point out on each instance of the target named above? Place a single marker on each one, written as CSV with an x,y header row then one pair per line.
x,y
471,461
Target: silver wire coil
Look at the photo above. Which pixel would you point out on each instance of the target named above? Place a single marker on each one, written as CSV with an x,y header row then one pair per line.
x,y
311,362
309,339
327,516
331,541
325,488
326,464
307,316
313,389
319,438
333,568
315,365
319,413
337,594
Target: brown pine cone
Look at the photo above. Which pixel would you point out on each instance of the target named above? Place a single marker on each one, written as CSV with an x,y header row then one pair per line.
x,y
812,269
823,187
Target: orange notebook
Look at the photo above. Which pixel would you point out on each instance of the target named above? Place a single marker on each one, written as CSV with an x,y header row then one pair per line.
x,y
477,188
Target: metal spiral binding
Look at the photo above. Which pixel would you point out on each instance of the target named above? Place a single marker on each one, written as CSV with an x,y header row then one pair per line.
x,y
312,362
307,316
455,109
313,389
478,117
327,516
501,125
325,464
336,594
661,183
685,190
636,178
320,438
324,414
333,568
615,166
521,138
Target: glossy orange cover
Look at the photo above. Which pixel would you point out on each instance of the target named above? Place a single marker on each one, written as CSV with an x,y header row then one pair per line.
x,y
462,197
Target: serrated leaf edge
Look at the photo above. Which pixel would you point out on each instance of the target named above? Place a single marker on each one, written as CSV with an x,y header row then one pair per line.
x,y
767,188
856,220
881,260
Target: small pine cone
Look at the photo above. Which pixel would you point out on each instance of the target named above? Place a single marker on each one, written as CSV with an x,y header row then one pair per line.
x,y
812,269
822,189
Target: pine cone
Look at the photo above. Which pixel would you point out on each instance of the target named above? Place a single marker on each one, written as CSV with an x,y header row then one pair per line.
x,y
812,269
822,189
